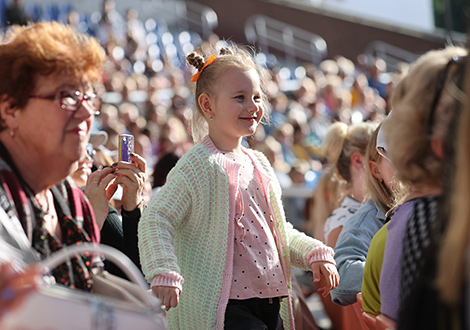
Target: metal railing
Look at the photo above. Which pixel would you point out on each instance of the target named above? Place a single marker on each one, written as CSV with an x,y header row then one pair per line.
x,y
294,42
177,14
392,55
182,15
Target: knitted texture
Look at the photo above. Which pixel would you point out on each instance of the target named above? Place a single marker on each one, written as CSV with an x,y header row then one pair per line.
x,y
188,229
416,242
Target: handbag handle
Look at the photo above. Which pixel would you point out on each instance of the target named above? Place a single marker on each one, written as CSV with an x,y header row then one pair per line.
x,y
110,253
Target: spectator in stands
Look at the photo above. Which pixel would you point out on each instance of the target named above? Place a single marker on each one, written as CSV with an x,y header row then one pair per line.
x,y
230,100
112,26
15,14
375,77
284,134
161,170
272,149
47,105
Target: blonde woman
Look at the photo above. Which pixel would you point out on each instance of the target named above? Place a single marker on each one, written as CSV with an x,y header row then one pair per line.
x,y
423,105
453,261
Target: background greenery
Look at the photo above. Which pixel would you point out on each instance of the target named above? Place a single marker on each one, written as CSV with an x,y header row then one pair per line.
x,y
458,16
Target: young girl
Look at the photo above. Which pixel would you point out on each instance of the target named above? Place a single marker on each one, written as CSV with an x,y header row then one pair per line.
x,y
345,147
218,224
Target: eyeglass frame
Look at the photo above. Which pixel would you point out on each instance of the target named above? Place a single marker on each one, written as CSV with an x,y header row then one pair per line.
x,y
459,60
58,96
382,152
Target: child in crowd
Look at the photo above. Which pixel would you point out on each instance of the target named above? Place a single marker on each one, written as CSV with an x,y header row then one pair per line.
x,y
346,151
218,223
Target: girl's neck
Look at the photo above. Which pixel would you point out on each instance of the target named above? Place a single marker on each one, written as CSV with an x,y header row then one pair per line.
x,y
357,191
224,143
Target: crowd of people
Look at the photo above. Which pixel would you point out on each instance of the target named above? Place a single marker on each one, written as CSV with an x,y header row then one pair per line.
x,y
219,136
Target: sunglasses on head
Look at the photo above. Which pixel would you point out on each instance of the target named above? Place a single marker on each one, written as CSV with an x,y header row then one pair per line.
x,y
382,152
455,60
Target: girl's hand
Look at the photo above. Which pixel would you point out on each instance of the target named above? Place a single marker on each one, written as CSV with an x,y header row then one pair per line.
x,y
132,177
169,296
325,276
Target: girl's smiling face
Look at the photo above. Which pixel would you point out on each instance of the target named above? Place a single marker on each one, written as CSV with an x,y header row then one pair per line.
x,y
235,108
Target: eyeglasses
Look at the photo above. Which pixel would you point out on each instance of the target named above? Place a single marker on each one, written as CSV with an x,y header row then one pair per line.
x,y
71,100
459,60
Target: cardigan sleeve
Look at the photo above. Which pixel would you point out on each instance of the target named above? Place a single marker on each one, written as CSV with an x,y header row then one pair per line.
x,y
304,250
159,223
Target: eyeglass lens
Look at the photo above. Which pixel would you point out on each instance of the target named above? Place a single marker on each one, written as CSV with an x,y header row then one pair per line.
x,y
72,99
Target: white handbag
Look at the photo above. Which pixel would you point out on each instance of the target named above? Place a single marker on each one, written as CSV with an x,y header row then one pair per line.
x,y
55,307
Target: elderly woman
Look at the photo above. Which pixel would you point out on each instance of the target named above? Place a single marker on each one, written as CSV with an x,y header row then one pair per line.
x,y
47,107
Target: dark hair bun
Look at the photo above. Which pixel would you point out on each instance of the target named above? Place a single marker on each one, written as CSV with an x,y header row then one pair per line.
x,y
195,60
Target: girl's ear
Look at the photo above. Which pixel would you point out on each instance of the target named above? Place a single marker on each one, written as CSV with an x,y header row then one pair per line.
x,y
357,160
8,112
437,147
205,104
374,169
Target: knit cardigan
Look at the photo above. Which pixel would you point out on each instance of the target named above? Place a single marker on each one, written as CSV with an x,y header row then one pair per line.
x,y
187,229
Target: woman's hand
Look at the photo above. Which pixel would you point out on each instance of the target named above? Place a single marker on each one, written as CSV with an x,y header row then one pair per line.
x,y
99,189
169,296
132,177
325,276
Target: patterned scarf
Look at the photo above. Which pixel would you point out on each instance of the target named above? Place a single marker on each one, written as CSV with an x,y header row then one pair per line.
x,y
75,217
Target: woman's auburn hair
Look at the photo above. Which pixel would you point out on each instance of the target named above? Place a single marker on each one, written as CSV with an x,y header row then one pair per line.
x,y
44,49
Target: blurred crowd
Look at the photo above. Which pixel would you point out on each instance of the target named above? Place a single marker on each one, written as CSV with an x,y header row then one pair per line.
x,y
146,92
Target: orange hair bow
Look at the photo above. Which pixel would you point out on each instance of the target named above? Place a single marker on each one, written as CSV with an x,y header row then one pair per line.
x,y
209,61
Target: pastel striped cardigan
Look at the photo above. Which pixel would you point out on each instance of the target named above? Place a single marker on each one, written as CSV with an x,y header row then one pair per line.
x,y
186,229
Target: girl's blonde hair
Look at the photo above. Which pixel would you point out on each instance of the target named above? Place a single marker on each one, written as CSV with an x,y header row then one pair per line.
x,y
230,56
341,141
406,131
385,197
453,261
329,193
